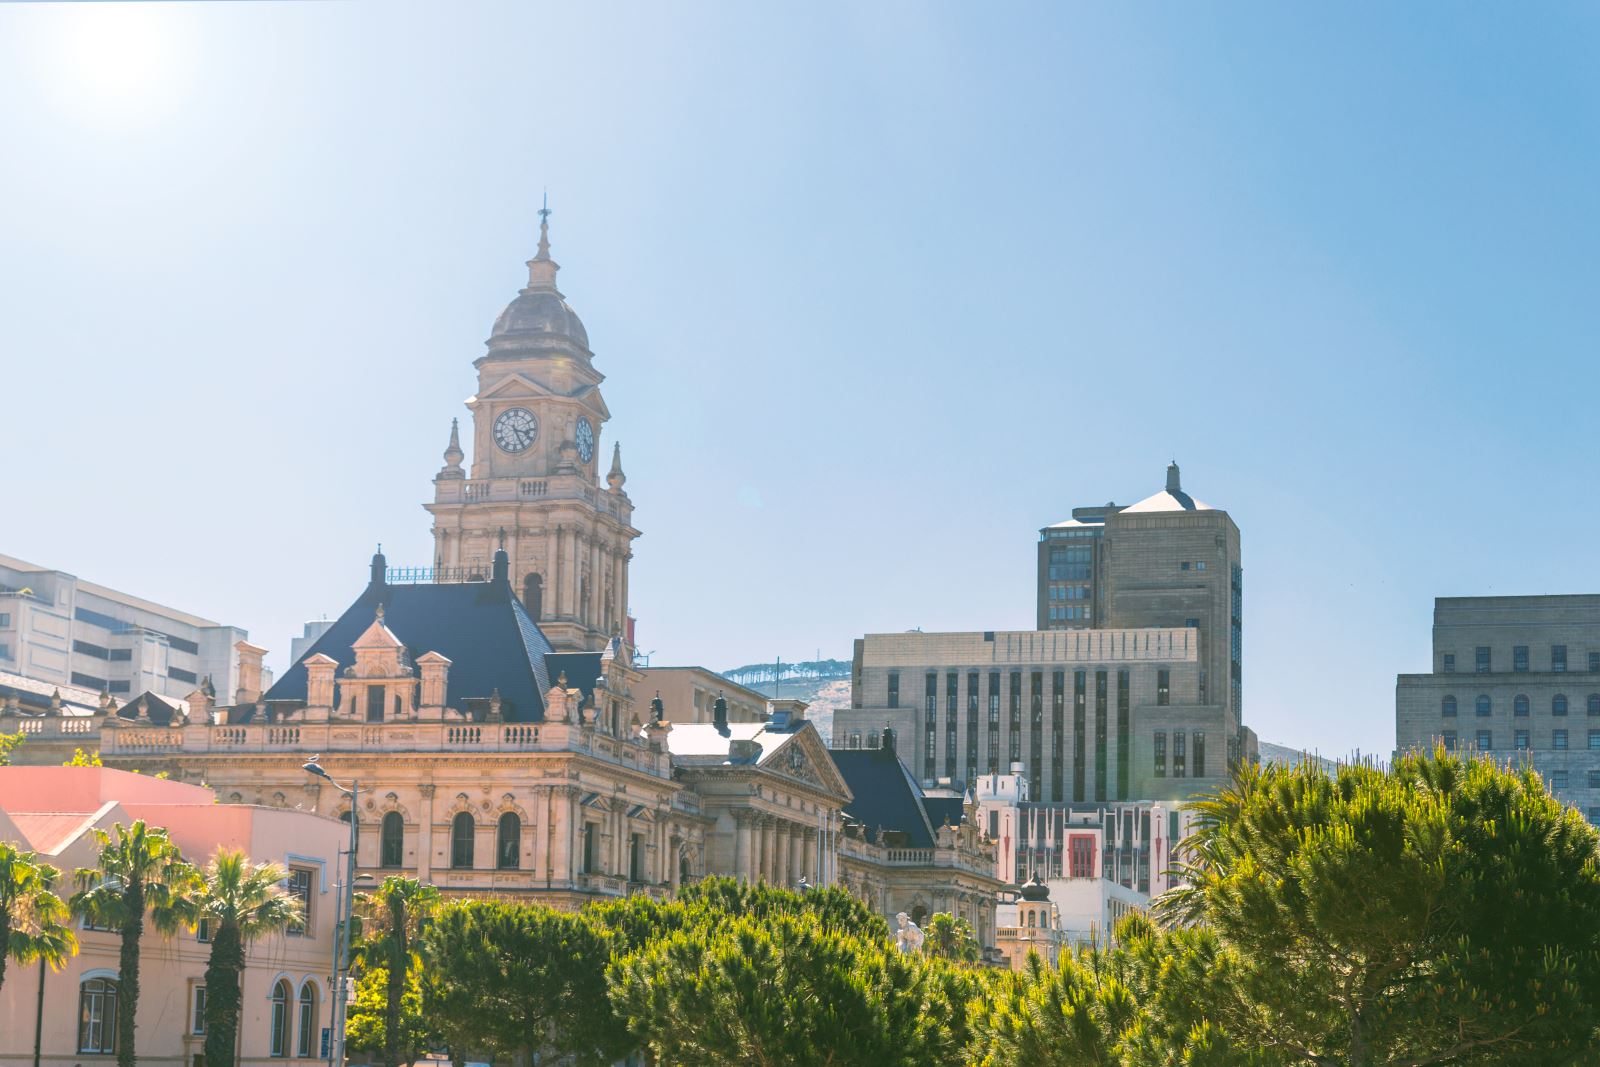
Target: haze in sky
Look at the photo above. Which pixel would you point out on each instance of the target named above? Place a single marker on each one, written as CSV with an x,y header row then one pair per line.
x,y
880,290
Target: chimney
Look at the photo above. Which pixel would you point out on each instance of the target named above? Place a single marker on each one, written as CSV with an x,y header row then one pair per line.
x,y
435,678
1172,478
380,567
250,670
319,680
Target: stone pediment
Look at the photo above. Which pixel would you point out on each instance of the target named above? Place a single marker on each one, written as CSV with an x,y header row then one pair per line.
x,y
804,757
514,385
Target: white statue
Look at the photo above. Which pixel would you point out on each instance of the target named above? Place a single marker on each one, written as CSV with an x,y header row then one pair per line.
x,y
908,938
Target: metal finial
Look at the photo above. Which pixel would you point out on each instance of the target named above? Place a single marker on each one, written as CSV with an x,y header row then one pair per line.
x,y
544,211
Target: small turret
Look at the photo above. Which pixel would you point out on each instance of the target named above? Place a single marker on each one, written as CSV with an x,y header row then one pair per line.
x,y
453,454
380,567
616,479
1173,485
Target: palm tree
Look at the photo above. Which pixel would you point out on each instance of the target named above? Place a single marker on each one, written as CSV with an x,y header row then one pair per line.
x,y
242,901
32,918
951,938
140,872
392,920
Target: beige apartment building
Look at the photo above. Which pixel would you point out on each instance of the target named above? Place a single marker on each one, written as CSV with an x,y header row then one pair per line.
x,y
1517,677
1169,560
690,695
1094,715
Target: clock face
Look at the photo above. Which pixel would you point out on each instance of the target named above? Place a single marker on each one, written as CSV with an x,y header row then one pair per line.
x,y
515,429
585,440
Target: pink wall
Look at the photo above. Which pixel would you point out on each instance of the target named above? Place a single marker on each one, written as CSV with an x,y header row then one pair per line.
x,y
87,788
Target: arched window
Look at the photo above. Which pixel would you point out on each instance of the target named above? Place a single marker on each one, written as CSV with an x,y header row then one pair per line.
x,y
280,1018
508,851
1485,705
391,840
1594,703
1520,706
461,831
1558,704
533,596
374,703
919,914
97,1016
304,1045
1449,707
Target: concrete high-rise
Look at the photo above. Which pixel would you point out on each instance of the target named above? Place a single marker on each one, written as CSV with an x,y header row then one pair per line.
x,y
1167,561
1517,677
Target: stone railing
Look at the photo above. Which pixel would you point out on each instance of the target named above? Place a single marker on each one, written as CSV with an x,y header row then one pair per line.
x,y
402,736
46,727
943,857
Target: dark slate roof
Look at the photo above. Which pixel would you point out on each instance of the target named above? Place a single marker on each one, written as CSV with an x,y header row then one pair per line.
x,y
480,626
582,669
886,796
157,710
943,810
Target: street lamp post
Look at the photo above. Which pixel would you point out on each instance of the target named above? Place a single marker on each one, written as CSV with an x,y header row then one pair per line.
x,y
344,908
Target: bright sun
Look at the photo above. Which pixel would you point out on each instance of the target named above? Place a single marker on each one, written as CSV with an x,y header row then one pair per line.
x,y
111,63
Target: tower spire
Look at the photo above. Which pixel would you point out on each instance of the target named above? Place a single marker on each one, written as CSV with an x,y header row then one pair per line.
x,y
452,453
616,478
541,268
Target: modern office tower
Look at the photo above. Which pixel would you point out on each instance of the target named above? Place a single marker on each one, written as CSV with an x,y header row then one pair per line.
x,y
1517,677
1169,560
59,629
1094,716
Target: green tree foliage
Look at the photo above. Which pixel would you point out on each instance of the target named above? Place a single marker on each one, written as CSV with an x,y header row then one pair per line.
x,y
391,923
834,908
504,978
242,902
1445,911
366,1030
80,758
9,743
783,991
33,920
950,938
140,872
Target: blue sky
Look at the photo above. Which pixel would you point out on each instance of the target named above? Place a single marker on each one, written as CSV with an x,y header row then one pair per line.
x,y
880,290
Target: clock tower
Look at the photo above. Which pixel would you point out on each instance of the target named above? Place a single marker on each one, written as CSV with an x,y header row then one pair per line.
x,y
534,486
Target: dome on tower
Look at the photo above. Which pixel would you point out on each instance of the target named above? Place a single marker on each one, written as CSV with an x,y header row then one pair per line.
x,y
539,315
1033,889
540,312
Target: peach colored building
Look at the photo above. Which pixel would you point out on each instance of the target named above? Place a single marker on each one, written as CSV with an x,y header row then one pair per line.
x,y
51,810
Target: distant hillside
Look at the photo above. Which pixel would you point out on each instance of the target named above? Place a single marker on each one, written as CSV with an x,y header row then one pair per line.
x,y
823,684
1283,755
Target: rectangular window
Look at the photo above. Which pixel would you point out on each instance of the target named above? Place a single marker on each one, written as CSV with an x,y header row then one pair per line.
x,y
179,675
95,618
5,650
1449,740
299,887
1594,738
88,681
1124,736
120,687
202,931
1100,727
97,1016
952,706
1485,740
1594,663
1558,739
5,620
894,689
1014,740
588,846
1558,779
1594,779
84,648
1079,732
635,857
1558,658
1081,852
1483,659
1036,733
994,722
122,655
972,726
1519,659
1163,687
1180,763
930,724
197,1015
1058,728
1449,663
1520,739
178,644
1198,754
1161,753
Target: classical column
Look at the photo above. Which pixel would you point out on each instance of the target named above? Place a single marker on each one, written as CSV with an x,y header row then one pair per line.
x,y
780,864
797,858
741,846
802,851
565,846
556,584
425,832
